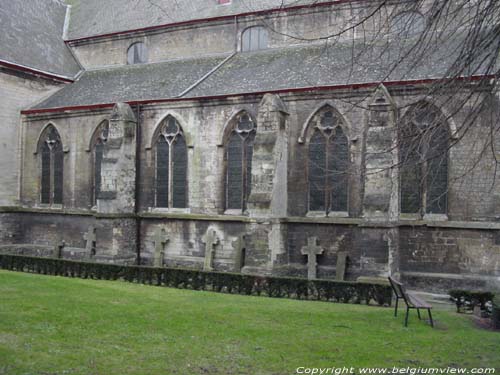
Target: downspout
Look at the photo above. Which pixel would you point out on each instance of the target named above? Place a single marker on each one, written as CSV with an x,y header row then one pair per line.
x,y
137,185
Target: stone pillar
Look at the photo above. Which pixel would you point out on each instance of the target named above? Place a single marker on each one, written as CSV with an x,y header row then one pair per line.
x,y
117,193
116,200
381,185
268,196
380,201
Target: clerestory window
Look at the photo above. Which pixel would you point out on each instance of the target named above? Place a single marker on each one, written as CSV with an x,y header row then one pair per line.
x,y
137,53
254,38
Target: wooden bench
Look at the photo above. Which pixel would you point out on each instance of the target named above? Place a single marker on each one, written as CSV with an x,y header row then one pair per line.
x,y
411,301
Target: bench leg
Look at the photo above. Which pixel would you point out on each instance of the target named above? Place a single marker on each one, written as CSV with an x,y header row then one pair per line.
x,y
430,318
396,308
418,312
406,318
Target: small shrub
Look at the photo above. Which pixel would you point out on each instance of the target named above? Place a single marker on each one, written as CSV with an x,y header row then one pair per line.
x,y
467,300
278,287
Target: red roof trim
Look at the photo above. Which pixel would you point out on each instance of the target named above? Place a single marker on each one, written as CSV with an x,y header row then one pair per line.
x,y
35,72
280,91
211,19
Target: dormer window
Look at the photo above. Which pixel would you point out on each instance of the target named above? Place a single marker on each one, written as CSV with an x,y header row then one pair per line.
x,y
254,39
137,54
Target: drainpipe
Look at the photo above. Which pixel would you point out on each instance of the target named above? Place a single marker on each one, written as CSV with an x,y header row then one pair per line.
x,y
137,179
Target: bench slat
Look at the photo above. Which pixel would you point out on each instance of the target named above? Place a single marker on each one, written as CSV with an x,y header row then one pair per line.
x,y
417,302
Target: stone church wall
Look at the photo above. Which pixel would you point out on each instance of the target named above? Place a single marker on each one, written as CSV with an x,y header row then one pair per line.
x,y
263,241
17,91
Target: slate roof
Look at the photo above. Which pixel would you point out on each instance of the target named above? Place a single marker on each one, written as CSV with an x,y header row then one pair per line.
x,y
269,70
31,34
132,82
97,17
329,65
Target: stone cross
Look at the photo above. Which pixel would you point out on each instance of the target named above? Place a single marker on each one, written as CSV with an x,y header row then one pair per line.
x,y
210,240
58,249
160,241
90,242
341,265
312,250
239,253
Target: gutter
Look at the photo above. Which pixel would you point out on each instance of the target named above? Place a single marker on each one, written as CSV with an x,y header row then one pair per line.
x,y
354,86
213,19
36,72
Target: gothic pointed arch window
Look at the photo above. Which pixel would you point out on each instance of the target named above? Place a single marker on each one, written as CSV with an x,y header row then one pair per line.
x,y
328,163
171,165
238,160
98,142
51,153
423,152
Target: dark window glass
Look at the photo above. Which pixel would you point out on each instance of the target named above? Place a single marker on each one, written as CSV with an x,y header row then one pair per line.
x,y
58,173
234,186
179,173
317,171
162,166
339,156
45,194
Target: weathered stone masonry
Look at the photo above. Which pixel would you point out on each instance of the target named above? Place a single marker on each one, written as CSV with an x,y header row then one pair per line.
x,y
291,92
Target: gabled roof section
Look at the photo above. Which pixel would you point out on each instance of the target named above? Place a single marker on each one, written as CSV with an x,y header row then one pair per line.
x,y
101,17
133,82
31,36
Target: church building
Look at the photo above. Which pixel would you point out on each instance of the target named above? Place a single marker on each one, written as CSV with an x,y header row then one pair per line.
x,y
304,138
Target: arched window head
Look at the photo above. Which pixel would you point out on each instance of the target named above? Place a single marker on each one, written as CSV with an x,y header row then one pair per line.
x,y
254,38
51,153
423,151
99,140
328,163
137,54
171,165
238,157
408,23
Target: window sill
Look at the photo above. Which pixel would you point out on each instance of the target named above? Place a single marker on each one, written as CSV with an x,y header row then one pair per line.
x,y
48,206
168,210
235,212
330,214
426,217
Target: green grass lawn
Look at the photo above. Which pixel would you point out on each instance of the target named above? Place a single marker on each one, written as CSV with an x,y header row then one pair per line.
x,y
55,325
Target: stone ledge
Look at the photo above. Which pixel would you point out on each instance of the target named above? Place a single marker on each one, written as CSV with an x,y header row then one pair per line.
x,y
454,276
191,216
